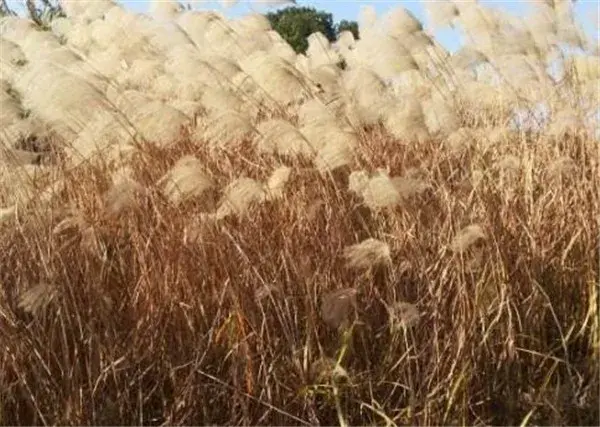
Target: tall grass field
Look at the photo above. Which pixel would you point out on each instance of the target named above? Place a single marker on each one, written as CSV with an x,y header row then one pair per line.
x,y
199,225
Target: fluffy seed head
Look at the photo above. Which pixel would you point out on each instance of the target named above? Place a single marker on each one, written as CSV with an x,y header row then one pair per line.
x,y
239,196
366,254
403,315
281,137
467,237
187,179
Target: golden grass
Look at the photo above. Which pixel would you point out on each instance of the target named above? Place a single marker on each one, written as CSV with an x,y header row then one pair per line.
x,y
316,263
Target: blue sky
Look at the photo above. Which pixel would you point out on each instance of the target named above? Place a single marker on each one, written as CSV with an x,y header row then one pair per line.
x,y
586,10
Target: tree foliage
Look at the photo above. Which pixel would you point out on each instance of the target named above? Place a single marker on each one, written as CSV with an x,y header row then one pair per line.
x,y
345,25
295,24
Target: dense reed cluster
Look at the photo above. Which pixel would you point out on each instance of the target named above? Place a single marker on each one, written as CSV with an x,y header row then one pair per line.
x,y
200,226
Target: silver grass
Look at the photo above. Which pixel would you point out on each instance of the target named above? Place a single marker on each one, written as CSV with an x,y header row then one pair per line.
x,y
320,52
467,57
65,101
358,182
467,237
216,99
406,120
159,123
15,157
239,196
440,115
367,93
367,19
278,78
281,137
385,54
314,111
408,186
123,195
366,254
335,154
587,67
11,53
224,129
327,77
277,182
459,141
441,13
508,165
253,22
345,40
187,179
400,22
16,29
86,10
189,108
403,315
380,192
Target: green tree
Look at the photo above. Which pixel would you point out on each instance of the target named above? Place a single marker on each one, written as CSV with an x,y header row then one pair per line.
x,y
345,25
295,24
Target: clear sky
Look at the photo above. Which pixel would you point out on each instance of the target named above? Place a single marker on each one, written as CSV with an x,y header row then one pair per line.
x,y
587,11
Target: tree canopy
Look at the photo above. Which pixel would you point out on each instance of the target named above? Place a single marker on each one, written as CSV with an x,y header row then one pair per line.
x,y
295,24
345,25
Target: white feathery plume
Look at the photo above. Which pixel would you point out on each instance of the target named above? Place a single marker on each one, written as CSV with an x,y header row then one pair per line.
x,y
281,137
441,13
224,129
467,237
367,93
358,182
277,182
440,115
275,76
124,193
400,22
86,10
185,180
239,196
159,123
314,111
367,254
380,192
337,152
385,54
406,121
319,51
